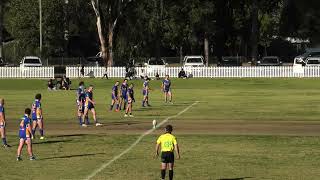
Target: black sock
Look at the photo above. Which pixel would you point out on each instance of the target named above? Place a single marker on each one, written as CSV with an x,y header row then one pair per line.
x,y
163,173
170,174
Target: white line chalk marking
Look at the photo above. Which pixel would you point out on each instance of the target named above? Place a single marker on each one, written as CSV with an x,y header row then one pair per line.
x,y
94,173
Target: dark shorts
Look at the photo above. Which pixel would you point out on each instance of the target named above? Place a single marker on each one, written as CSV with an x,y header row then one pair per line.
x,y
166,90
145,93
89,106
167,157
114,97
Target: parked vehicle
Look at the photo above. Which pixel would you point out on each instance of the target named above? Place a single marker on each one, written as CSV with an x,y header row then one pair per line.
x,y
155,66
228,61
301,60
30,61
95,60
193,61
269,61
313,61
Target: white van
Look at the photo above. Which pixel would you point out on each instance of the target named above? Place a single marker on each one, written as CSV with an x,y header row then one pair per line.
x,y
31,61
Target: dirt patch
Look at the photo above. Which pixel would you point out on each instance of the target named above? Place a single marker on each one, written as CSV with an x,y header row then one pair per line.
x,y
287,128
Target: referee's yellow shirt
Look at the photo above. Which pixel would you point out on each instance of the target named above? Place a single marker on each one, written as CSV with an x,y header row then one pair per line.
x,y
167,142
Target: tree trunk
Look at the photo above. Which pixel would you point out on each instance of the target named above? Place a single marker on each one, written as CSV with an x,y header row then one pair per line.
x,y
206,49
110,47
254,31
103,49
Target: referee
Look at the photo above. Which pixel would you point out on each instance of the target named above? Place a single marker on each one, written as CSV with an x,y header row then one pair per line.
x,y
168,144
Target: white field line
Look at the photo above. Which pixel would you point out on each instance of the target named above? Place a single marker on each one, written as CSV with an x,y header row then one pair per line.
x,y
103,166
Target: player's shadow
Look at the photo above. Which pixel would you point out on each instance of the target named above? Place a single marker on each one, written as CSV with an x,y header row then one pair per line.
x,y
70,156
52,142
240,178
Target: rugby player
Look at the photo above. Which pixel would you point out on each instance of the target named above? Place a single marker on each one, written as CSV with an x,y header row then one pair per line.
x,y
123,97
130,100
166,87
115,97
81,93
25,135
168,144
3,124
37,119
145,92
89,105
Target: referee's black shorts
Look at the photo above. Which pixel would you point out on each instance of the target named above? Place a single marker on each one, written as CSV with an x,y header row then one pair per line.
x,y
167,157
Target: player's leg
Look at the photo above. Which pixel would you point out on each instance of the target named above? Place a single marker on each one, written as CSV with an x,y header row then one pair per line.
x,y
130,109
3,135
29,148
40,124
79,112
94,115
127,110
170,165
34,127
85,113
170,96
163,170
165,96
112,103
20,146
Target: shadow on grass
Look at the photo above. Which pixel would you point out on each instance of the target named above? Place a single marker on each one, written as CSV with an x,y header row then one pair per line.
x,y
241,178
70,135
52,142
123,123
70,156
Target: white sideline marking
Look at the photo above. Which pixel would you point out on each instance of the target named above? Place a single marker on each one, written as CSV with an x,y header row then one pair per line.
x,y
94,173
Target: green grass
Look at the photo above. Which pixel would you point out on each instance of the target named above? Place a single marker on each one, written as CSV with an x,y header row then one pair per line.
x,y
71,152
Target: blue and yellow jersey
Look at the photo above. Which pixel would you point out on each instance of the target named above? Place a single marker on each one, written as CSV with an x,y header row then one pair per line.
x,y
90,96
130,93
115,91
2,118
24,124
81,93
36,109
166,83
1,109
145,85
167,142
124,88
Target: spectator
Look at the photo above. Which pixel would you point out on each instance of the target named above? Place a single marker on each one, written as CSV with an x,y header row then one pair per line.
x,y
157,76
65,83
182,74
105,74
51,85
82,71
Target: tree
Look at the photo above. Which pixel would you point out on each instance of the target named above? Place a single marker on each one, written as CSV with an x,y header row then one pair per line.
x,y
1,26
107,15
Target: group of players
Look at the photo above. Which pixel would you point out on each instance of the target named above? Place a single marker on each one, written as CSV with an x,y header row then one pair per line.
x,y
122,98
28,123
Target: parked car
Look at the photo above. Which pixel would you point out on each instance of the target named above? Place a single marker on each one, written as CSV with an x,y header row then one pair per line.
x,y
313,61
193,61
30,61
94,60
230,61
301,59
269,61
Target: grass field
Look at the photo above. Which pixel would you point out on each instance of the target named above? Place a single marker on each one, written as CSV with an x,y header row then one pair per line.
x,y
240,129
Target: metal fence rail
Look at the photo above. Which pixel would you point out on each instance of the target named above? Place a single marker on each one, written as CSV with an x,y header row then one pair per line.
x,y
27,72
202,72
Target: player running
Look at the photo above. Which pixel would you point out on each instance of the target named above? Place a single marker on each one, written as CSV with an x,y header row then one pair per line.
x,y
123,97
25,135
166,87
3,124
130,100
145,92
89,105
37,119
168,144
81,97
115,96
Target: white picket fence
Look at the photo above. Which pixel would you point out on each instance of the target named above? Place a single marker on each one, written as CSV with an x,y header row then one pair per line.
x,y
202,72
27,72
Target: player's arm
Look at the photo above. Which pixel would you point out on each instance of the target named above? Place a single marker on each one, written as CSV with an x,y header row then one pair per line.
x,y
176,148
157,149
89,100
